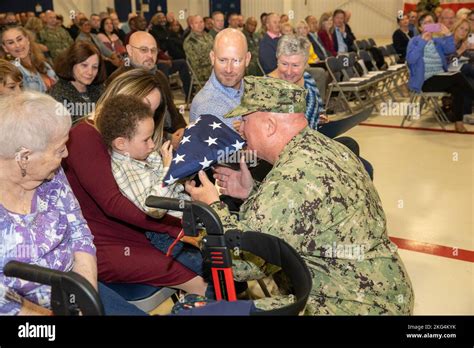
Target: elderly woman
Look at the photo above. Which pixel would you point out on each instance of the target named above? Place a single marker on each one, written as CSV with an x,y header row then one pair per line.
x,y
426,58
10,78
40,219
292,60
81,73
124,253
292,55
20,46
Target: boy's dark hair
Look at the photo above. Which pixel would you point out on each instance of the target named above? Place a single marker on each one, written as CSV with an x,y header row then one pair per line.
x,y
119,117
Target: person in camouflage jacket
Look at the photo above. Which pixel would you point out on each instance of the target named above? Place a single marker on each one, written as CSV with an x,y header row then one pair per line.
x,y
319,199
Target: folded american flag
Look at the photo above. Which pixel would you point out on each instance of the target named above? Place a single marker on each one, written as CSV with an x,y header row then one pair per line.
x,y
204,143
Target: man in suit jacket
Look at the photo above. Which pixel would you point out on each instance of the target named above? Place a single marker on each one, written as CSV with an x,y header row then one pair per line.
x,y
313,37
343,40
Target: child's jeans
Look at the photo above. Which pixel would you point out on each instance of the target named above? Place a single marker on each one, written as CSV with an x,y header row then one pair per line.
x,y
184,253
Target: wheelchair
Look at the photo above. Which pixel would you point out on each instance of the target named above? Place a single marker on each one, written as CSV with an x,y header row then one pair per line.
x,y
217,248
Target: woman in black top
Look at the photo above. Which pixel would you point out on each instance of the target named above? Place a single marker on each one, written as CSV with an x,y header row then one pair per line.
x,y
401,36
81,72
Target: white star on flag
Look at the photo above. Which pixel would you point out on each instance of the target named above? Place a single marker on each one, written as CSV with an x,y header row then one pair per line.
x,y
210,141
179,158
191,125
205,163
215,125
238,146
185,140
171,180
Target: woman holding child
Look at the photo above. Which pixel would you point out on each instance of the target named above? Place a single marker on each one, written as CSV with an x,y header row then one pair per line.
x,y
124,253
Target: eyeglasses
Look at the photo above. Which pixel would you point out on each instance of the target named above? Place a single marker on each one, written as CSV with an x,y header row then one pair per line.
x,y
146,50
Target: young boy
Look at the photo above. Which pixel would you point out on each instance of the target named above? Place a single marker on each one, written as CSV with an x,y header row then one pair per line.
x,y
127,127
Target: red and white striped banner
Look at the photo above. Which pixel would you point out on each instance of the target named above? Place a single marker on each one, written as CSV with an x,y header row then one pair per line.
x,y
454,4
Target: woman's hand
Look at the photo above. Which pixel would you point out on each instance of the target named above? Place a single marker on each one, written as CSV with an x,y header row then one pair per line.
x,y
167,153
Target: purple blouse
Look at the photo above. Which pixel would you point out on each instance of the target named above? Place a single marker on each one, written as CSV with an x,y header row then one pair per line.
x,y
48,236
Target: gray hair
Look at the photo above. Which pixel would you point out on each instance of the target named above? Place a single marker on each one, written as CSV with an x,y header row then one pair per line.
x,y
291,45
30,120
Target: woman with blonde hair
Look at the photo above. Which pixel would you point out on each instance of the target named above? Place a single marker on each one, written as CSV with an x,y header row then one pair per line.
x,y
20,46
286,28
326,31
124,254
302,29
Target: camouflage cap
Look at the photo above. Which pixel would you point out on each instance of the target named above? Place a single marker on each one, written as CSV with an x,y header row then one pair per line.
x,y
270,95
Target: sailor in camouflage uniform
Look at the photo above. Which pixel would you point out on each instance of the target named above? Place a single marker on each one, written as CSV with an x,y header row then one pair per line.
x,y
319,199
197,46
56,38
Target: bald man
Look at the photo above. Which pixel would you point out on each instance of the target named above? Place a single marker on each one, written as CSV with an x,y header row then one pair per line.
x,y
447,17
56,38
319,199
197,46
142,52
229,58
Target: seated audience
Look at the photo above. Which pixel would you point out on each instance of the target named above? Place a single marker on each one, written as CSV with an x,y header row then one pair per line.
x,y
54,37
10,78
124,253
142,53
319,74
343,40
447,18
35,25
426,58
208,25
197,46
37,73
402,36
117,26
269,42
110,58
286,28
313,37
40,219
81,73
175,41
252,44
108,36
292,55
413,22
217,23
325,33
